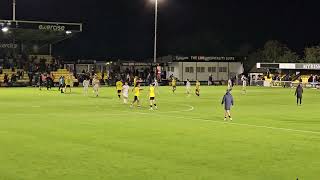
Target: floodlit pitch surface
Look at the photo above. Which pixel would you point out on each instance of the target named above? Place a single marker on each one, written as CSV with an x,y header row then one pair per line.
x,y
48,135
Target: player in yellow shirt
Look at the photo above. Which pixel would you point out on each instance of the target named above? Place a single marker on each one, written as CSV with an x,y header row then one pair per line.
x,y
119,86
69,83
136,90
152,97
198,88
174,85
135,81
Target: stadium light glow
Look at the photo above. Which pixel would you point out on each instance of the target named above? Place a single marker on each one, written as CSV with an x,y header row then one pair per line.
x,y
68,32
156,1
5,29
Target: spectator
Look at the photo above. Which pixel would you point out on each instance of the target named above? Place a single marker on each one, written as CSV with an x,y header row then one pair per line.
x,y
49,82
210,81
5,79
13,78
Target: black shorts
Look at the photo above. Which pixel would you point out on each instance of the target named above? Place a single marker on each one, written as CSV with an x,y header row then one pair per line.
x,y
152,98
174,87
68,86
119,91
136,98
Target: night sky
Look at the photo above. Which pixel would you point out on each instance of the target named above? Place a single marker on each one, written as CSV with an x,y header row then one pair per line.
x,y
124,28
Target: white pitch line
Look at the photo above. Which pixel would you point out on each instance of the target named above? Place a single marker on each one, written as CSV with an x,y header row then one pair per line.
x,y
213,121
191,108
276,128
240,124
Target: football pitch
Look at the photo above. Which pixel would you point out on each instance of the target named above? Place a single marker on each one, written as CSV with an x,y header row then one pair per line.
x,y
45,135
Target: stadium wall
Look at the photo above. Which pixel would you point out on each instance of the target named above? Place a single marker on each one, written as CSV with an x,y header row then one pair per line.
x,y
221,71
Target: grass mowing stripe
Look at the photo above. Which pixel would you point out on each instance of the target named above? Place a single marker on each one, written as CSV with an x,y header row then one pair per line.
x,y
233,123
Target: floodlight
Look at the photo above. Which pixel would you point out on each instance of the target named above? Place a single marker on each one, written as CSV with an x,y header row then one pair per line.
x,y
5,29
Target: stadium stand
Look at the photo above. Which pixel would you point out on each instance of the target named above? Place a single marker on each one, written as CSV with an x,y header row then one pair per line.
x,y
62,72
102,76
20,75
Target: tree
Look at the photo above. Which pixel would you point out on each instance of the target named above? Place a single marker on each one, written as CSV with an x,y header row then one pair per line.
x,y
312,54
274,51
289,57
252,59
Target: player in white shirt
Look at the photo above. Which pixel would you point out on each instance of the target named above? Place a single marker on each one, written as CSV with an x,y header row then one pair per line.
x,y
229,84
244,84
156,85
86,84
188,87
96,85
125,92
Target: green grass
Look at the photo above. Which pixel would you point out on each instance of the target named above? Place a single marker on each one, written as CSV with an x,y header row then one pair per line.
x,y
45,135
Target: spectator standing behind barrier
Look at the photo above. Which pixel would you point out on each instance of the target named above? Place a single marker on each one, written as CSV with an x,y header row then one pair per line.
x,y
298,94
48,81
314,81
210,80
61,83
13,79
40,81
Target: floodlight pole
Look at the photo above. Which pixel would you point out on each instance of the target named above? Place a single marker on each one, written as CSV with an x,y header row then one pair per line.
x,y
50,49
155,31
14,10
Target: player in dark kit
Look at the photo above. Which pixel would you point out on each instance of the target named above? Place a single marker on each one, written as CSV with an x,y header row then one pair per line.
x,y
298,94
227,100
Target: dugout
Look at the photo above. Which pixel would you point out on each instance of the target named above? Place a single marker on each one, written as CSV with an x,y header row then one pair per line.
x,y
291,74
256,77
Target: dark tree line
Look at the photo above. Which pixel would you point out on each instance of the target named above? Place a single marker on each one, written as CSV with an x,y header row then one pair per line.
x,y
276,52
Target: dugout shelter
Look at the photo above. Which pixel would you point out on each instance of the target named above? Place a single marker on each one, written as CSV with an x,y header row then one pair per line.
x,y
291,74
